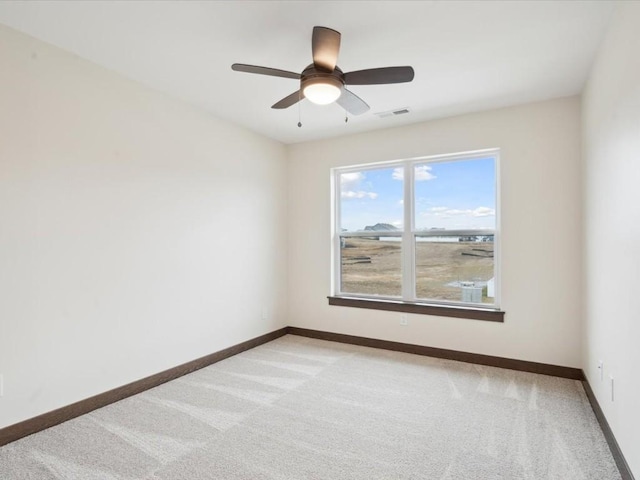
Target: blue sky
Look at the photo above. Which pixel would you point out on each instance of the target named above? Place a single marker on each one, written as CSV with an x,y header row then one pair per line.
x,y
453,195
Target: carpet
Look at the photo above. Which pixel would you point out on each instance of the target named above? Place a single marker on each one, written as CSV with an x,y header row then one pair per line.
x,y
298,408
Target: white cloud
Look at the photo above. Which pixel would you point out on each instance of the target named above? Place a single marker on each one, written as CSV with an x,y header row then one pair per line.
x,y
422,173
350,186
484,212
352,177
358,194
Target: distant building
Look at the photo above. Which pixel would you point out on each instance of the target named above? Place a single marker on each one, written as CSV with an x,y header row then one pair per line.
x,y
491,288
472,294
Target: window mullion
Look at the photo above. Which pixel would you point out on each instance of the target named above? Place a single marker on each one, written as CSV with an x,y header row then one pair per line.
x,y
408,245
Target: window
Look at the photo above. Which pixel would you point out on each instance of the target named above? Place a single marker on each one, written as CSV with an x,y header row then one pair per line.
x,y
420,231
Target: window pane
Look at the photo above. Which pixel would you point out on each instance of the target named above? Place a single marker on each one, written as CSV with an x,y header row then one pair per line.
x,y
371,200
455,195
457,269
451,197
371,265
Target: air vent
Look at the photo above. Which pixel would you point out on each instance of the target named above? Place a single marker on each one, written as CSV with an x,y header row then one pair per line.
x,y
393,113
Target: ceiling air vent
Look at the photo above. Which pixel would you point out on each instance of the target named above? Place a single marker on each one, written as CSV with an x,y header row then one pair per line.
x,y
393,113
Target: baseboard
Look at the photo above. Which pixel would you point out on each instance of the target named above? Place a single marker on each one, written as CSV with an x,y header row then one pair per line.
x,y
41,422
512,364
623,466
19,430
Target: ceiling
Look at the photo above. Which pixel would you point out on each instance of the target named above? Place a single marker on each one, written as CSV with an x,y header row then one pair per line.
x,y
467,55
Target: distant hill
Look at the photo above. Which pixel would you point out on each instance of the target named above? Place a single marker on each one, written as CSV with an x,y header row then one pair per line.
x,y
381,227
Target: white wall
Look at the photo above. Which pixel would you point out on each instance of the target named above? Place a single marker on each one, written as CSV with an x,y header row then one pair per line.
x,y
611,126
136,232
541,226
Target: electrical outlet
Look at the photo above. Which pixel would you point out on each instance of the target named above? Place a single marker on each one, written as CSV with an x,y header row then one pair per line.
x,y
611,380
601,368
1,385
265,313
404,320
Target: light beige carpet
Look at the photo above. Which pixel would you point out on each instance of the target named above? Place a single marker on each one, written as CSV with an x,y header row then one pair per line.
x,y
298,408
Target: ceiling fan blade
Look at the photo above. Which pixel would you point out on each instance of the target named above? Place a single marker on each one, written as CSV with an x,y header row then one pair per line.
x,y
289,100
274,72
325,44
352,103
379,76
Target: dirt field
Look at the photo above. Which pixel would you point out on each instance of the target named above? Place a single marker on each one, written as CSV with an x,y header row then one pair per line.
x,y
374,267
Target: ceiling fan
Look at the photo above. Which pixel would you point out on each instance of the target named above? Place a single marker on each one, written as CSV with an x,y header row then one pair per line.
x,y
323,82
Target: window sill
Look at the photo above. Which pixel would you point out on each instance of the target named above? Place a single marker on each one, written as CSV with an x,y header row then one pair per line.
x,y
488,315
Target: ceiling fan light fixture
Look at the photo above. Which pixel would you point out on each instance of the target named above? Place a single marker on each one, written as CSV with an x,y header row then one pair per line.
x,y
322,90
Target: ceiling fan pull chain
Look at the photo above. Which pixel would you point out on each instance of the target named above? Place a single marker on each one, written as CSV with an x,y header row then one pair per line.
x,y
299,101
346,116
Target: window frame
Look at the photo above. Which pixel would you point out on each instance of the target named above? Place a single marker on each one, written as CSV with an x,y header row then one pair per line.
x,y
408,300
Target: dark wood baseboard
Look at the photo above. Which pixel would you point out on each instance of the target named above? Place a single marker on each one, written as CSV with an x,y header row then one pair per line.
x,y
623,466
19,430
512,364
41,422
